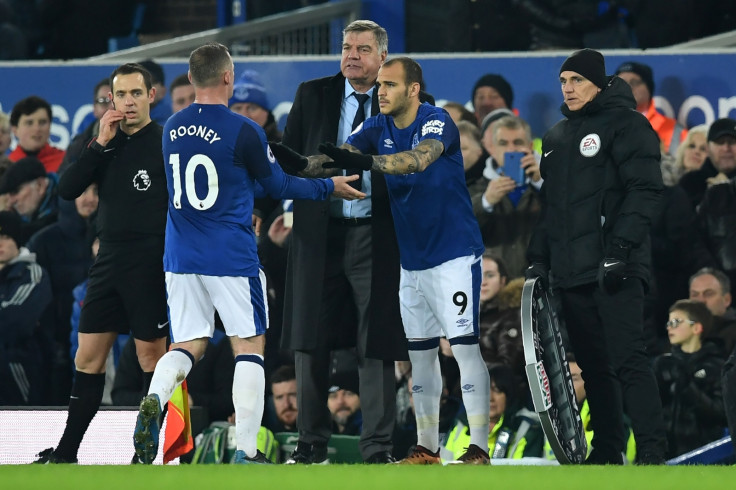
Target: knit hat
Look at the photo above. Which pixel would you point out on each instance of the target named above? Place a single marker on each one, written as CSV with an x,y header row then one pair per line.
x,y
499,83
10,225
644,72
249,88
345,380
493,116
24,170
590,64
722,127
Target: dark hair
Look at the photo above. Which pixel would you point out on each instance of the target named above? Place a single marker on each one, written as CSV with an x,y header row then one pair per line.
x,y
503,269
284,373
208,62
695,311
412,70
128,69
720,276
156,71
465,115
27,106
379,33
180,81
100,84
504,379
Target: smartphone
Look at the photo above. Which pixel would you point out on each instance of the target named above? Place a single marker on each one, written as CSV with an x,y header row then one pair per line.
x,y
512,166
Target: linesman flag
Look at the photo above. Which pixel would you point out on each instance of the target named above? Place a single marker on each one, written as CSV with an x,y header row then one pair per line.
x,y
178,436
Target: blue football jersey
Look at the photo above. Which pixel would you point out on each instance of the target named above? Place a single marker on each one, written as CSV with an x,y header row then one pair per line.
x,y
215,161
432,212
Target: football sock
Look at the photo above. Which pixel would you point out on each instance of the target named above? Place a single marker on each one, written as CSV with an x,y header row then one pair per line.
x,y
84,402
170,371
249,385
426,389
476,389
147,377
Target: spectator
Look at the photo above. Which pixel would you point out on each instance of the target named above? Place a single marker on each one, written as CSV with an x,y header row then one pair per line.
x,y
343,402
283,394
712,287
90,126
458,113
515,432
507,210
32,193
251,100
689,380
30,121
5,164
719,167
691,155
491,92
717,219
182,93
473,154
641,80
24,294
63,250
678,251
161,105
5,134
500,321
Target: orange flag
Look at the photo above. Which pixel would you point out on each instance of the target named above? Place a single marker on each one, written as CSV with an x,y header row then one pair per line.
x,y
178,438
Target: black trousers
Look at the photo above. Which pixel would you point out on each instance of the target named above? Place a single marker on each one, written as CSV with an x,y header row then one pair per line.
x,y
347,278
606,335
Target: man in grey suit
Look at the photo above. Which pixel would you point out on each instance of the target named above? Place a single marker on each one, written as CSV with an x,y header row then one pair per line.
x,y
343,266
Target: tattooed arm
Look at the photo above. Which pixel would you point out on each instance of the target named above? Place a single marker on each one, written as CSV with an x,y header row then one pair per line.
x,y
406,162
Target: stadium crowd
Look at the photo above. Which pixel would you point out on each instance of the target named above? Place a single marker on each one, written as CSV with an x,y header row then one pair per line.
x,y
47,245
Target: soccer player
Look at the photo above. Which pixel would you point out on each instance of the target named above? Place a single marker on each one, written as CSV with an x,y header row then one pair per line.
x,y
418,147
213,159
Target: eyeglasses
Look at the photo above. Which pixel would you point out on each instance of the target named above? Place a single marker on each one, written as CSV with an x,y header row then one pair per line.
x,y
675,322
102,100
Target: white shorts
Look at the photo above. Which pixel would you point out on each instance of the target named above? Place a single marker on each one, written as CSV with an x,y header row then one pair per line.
x,y
193,298
442,301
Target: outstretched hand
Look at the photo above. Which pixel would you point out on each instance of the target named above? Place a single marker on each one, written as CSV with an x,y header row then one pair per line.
x,y
343,158
291,161
344,190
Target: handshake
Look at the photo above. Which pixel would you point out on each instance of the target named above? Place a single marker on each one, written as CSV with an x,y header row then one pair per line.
x,y
293,162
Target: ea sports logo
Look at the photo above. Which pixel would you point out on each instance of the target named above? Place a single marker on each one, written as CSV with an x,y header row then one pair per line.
x,y
590,145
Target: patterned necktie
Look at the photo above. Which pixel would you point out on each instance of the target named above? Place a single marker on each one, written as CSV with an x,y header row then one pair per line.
x,y
359,118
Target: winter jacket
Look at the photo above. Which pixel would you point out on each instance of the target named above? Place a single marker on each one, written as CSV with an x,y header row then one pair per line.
x,y
692,401
602,185
717,217
25,291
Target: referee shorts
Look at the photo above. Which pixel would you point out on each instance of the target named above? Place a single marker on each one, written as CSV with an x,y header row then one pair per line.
x,y
126,292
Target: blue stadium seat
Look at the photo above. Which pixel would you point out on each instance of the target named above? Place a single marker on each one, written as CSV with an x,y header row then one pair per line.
x,y
131,40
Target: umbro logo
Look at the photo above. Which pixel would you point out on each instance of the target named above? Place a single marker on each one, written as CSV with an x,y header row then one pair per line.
x,y
388,143
468,388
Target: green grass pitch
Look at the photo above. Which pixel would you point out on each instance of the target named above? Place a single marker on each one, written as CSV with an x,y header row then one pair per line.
x,y
355,477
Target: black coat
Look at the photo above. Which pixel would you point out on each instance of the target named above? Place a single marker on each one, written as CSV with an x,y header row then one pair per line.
x,y
64,250
594,193
692,401
314,119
